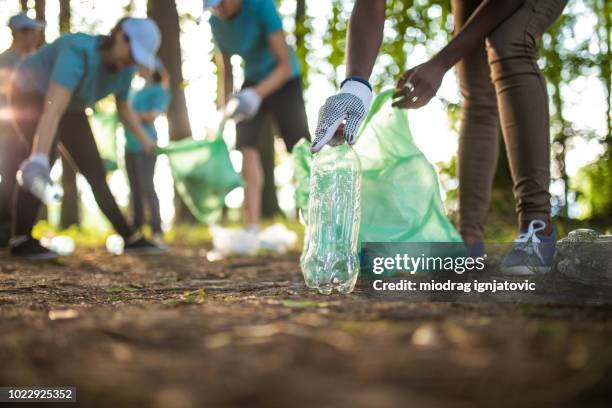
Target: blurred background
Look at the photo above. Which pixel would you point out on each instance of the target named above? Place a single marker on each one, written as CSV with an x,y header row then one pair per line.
x,y
575,56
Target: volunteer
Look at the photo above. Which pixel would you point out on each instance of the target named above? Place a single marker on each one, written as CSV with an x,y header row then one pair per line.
x,y
49,94
149,103
495,50
26,34
272,85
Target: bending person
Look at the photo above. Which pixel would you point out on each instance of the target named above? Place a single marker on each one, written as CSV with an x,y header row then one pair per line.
x,y
49,94
495,51
253,30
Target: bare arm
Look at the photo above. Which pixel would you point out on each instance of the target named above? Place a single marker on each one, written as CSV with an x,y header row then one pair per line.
x,y
425,80
489,15
279,76
56,102
365,34
130,120
226,82
149,116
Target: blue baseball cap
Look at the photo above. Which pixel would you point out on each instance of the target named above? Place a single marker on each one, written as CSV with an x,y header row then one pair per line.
x,y
145,39
211,3
21,21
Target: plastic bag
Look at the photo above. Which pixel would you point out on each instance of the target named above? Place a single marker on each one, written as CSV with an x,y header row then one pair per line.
x,y
400,195
104,126
203,175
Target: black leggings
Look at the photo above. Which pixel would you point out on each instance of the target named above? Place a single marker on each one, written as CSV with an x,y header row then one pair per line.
x,y
77,140
140,168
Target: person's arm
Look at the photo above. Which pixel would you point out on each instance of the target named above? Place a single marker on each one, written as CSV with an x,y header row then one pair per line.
x,y
148,116
226,82
56,102
38,165
352,103
364,37
420,84
279,76
130,120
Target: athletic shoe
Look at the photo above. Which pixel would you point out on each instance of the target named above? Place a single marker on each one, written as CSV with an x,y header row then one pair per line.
x,y
531,253
142,246
29,248
158,239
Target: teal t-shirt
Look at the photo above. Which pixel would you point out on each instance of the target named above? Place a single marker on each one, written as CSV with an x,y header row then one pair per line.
x,y
150,98
75,62
247,35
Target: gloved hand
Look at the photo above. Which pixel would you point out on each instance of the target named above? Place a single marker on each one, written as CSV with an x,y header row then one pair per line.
x,y
35,167
247,104
351,105
33,175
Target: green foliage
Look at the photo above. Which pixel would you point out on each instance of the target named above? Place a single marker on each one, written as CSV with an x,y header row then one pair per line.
x,y
594,190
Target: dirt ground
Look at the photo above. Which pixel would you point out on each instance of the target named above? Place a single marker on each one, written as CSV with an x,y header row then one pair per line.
x,y
179,331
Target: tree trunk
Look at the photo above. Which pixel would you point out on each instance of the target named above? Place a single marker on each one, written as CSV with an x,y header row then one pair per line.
x,y
39,7
164,12
70,212
64,16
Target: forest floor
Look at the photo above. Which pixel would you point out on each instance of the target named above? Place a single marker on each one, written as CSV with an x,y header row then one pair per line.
x,y
180,331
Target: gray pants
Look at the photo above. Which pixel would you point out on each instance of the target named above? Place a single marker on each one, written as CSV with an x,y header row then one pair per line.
x,y
140,170
501,83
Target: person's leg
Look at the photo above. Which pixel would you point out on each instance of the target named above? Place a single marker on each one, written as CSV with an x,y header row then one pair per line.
x,y
78,140
523,102
133,169
479,133
12,150
148,184
252,172
247,135
287,106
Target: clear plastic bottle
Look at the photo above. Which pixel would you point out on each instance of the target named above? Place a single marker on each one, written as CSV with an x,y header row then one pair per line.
x,y
43,188
329,260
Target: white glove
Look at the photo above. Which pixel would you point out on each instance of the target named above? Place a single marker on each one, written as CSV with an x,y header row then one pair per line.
x,y
351,105
34,176
247,106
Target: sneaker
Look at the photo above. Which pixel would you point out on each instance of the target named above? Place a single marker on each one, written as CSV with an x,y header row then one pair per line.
x,y
142,246
29,248
158,239
5,234
531,253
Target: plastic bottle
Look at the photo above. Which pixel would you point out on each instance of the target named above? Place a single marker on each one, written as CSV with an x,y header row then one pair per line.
x,y
329,260
43,188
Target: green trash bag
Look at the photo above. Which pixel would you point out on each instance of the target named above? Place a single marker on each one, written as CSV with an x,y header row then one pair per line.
x,y
203,175
400,195
104,126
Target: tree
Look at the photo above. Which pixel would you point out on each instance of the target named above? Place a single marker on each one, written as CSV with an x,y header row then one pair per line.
x,y
164,12
70,214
